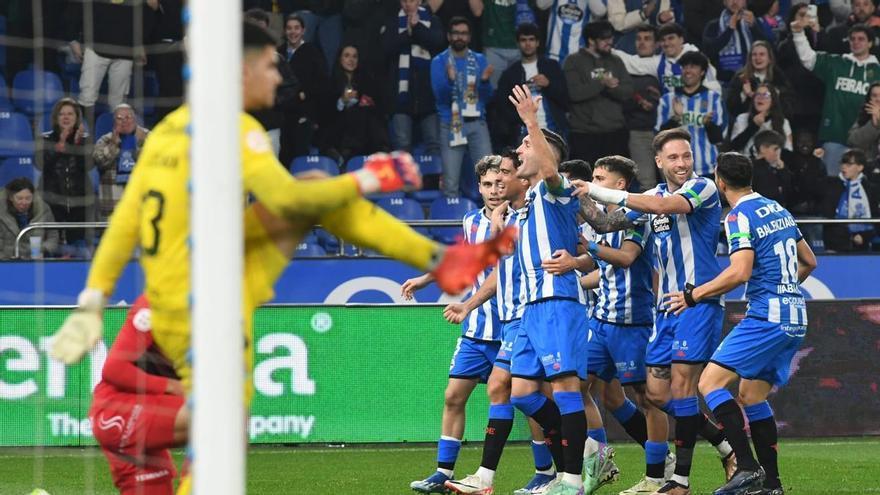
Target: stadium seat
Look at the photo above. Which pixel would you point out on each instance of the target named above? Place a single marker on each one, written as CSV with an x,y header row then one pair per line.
x,y
5,104
389,195
30,99
144,102
355,163
404,209
16,135
426,197
449,209
429,164
314,162
307,249
18,166
103,124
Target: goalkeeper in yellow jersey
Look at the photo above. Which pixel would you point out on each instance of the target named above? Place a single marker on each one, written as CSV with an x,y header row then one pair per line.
x,y
153,214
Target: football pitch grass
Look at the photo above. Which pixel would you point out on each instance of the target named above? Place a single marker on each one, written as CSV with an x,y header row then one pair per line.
x,y
808,467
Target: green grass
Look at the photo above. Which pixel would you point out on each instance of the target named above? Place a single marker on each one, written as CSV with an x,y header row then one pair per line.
x,y
808,467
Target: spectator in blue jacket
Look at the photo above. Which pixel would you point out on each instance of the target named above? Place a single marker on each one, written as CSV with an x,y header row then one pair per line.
x,y
728,39
460,80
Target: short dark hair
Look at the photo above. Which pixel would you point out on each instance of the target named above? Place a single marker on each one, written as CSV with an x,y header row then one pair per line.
x,y
598,30
557,142
295,17
620,165
855,155
694,58
19,184
768,137
576,169
735,169
486,164
511,154
455,21
528,29
671,28
664,137
255,37
861,28
647,28
257,14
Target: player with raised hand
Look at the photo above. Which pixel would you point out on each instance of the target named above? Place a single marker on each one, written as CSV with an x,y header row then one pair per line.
x,y
505,285
768,252
684,216
551,343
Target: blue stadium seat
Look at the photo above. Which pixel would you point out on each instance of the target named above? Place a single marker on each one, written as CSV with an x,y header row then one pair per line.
x,y
16,135
18,166
449,209
33,100
327,240
313,162
103,124
150,91
426,197
389,195
404,209
429,164
307,249
355,163
5,104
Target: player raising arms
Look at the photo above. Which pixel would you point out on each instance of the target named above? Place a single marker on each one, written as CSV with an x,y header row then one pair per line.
x,y
768,252
684,216
138,411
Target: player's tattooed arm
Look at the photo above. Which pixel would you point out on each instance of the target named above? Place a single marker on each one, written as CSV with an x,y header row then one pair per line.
x,y
661,373
604,222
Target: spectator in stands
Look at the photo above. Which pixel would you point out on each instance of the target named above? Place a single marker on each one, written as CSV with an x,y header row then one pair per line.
x,y
846,81
446,10
544,77
460,81
598,84
411,39
760,68
665,66
111,49
307,64
24,207
358,124
697,109
768,18
806,165
626,15
115,154
765,113
498,21
566,24
640,111
65,162
865,132
364,23
849,195
770,177
728,39
322,25
807,91
167,59
836,39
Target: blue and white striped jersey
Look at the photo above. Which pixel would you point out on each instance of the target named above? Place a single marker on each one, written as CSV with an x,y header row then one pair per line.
x,y
511,292
696,107
685,244
667,70
626,295
565,27
482,323
546,223
764,226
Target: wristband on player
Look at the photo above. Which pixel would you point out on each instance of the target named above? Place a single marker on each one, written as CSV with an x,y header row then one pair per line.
x,y
608,196
689,295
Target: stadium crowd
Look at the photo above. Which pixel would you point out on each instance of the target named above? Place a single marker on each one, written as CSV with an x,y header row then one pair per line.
x,y
792,84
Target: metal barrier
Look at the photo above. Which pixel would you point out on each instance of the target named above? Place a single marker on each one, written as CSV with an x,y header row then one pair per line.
x,y
411,223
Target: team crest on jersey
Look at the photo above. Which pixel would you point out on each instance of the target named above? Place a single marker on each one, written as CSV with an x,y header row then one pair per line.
x,y
661,224
732,217
570,13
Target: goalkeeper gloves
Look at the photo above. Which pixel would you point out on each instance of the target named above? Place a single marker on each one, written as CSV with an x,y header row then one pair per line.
x,y
388,173
81,330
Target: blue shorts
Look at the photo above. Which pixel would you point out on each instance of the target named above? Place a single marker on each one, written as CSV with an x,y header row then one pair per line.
x,y
509,330
688,338
473,359
760,350
617,351
552,341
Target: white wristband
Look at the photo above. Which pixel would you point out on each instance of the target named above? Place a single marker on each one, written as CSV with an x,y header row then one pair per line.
x,y
608,196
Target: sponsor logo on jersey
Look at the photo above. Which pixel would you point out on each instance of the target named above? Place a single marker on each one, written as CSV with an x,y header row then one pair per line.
x,y
661,224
